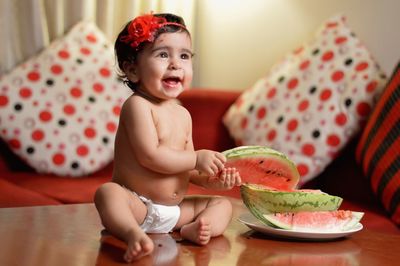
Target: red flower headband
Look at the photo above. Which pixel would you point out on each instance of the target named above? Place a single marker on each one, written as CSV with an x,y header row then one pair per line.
x,y
143,29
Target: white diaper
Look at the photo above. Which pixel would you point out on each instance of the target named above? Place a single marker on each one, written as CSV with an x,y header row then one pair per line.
x,y
159,218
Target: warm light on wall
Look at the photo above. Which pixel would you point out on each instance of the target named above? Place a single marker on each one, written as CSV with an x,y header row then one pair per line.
x,y
246,34
238,41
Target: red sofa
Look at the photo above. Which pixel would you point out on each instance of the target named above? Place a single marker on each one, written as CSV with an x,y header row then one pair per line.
x,y
22,186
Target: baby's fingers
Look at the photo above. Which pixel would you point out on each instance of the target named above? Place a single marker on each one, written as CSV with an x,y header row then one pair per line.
x,y
238,179
220,157
222,176
232,182
218,162
210,171
229,181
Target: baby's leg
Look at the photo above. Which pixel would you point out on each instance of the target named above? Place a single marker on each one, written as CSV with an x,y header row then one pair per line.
x,y
203,218
121,212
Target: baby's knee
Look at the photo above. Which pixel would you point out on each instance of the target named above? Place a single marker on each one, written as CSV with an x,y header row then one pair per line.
x,y
105,191
224,204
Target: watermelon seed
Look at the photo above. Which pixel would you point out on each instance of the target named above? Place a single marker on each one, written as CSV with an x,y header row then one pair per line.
x,y
261,162
270,172
276,173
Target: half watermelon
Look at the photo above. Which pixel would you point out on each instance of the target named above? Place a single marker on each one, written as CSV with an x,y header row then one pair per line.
x,y
263,165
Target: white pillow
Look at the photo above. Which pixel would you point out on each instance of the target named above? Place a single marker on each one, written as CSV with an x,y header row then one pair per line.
x,y
59,110
310,104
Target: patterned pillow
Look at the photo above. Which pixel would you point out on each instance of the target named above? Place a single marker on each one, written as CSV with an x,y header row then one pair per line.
x,y
310,104
59,110
379,148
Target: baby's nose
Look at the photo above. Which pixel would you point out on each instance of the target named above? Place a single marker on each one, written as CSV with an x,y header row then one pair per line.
x,y
174,64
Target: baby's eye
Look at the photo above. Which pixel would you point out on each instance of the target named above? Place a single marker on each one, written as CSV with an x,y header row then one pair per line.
x,y
186,56
163,54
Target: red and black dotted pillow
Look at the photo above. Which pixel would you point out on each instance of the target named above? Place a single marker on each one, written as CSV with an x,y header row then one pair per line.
x,y
312,102
378,150
59,110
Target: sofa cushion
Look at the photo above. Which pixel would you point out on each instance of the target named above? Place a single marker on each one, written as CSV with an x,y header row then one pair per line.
x,y
379,148
59,110
311,103
61,189
12,195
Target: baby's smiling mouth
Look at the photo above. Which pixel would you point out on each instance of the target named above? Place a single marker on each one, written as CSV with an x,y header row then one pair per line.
x,y
172,81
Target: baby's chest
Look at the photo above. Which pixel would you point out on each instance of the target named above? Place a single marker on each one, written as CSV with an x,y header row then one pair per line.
x,y
171,129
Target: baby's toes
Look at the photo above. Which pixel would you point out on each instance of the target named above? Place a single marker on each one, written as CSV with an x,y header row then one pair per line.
x,y
147,246
203,237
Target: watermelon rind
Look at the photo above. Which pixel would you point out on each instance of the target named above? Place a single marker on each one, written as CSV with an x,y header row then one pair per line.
x,y
261,200
334,223
245,151
283,174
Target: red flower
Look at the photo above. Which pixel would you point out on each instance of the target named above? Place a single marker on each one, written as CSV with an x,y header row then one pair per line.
x,y
142,29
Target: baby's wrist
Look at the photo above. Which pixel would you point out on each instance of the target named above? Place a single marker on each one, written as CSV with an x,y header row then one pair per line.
x,y
196,160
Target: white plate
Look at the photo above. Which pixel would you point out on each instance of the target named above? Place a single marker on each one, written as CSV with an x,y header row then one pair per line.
x,y
252,222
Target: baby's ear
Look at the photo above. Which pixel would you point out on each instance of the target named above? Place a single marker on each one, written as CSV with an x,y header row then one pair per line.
x,y
130,71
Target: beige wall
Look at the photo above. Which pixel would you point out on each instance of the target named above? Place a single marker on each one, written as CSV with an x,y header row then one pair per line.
x,y
237,41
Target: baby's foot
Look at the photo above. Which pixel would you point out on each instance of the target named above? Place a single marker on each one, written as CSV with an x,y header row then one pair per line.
x,y
139,245
198,232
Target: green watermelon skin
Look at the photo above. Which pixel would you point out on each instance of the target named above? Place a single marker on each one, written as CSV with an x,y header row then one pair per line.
x,y
262,165
261,200
318,221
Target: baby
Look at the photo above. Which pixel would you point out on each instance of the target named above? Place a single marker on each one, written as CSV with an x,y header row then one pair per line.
x,y
154,155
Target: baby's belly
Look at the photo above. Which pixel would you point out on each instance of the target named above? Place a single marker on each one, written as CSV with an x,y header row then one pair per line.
x,y
167,193
166,190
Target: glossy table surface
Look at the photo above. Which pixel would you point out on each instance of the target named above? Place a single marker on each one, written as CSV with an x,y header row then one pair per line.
x,y
71,235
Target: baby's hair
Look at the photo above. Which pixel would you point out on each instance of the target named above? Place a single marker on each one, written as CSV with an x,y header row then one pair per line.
x,y
125,52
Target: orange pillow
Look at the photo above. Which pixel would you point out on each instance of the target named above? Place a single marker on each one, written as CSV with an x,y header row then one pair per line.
x,y
379,148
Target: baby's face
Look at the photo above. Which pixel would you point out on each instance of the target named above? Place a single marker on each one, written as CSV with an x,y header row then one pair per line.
x,y
164,68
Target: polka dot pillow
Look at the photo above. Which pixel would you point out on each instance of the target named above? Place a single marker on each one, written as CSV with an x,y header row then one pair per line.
x,y
59,110
310,104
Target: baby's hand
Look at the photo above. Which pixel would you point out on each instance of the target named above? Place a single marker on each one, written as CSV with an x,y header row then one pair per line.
x,y
228,178
209,162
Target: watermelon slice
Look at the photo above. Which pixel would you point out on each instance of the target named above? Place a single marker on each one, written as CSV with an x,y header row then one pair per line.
x,y
262,200
319,221
262,165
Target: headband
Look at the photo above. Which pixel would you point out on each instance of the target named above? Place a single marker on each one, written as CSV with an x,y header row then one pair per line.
x,y
143,29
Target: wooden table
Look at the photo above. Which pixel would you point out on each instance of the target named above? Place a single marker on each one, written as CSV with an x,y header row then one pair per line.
x,y
70,235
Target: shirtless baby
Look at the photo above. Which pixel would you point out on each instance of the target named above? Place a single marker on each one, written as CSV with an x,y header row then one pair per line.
x,y
154,155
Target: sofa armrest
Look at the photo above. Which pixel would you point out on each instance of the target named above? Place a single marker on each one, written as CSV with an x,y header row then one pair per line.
x,y
207,107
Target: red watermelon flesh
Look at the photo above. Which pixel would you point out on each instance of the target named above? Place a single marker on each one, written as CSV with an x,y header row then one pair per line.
x,y
306,190
264,166
318,221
